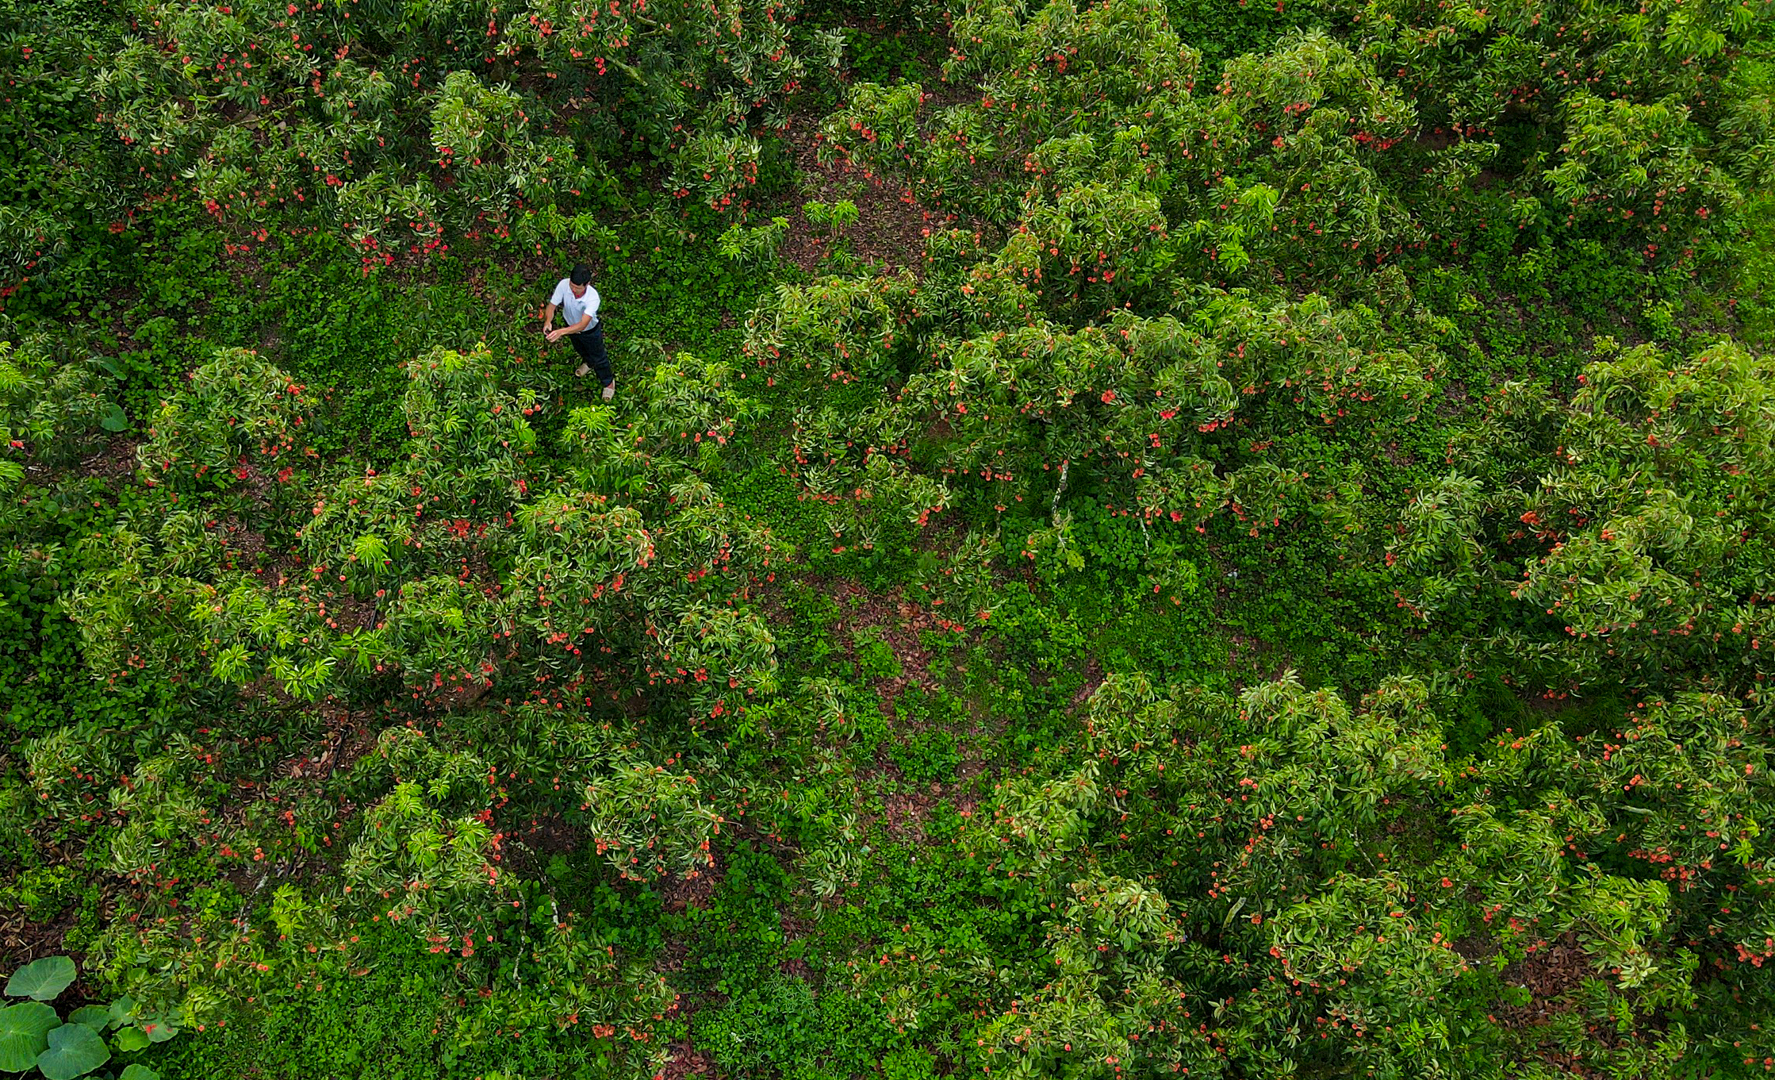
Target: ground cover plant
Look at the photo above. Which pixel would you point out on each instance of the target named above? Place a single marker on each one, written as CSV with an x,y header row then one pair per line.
x,y
1132,540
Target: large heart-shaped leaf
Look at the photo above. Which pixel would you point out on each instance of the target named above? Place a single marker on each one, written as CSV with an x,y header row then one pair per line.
x,y
96,1017
114,420
74,1050
138,1072
24,1033
41,980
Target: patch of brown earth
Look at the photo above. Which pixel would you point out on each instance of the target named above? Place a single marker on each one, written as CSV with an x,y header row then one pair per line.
x,y
23,940
349,737
908,809
899,622
686,1060
117,459
904,814
1552,974
551,835
1251,656
794,928
1454,398
1093,679
891,223
1551,702
1549,974
944,533
681,892
1477,947
1437,138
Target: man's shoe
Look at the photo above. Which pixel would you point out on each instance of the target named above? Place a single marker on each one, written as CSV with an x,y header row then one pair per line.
x,y
609,391
582,370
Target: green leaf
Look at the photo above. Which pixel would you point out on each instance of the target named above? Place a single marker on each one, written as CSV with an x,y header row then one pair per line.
x,y
131,1039
93,1016
41,980
123,1010
114,420
74,1050
370,550
138,1072
24,1032
160,1030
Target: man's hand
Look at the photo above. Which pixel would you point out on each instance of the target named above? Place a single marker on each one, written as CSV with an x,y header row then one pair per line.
x,y
562,331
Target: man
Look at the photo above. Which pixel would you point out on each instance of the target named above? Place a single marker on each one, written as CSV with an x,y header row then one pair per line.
x,y
578,304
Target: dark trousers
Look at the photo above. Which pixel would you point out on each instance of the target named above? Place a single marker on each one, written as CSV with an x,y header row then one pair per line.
x,y
590,346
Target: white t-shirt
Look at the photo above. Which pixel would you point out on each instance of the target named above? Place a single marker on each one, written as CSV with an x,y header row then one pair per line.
x,y
574,308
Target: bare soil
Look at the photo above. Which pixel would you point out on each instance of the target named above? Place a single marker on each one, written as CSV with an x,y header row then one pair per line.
x,y
694,892
686,1060
23,940
1550,973
899,622
891,223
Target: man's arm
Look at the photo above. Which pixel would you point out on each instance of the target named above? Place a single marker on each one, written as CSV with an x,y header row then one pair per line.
x,y
548,315
556,335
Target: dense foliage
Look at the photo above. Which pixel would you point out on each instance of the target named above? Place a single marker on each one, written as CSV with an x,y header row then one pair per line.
x,y
1132,540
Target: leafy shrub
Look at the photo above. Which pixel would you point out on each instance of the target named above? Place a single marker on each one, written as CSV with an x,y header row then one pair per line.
x,y
34,1039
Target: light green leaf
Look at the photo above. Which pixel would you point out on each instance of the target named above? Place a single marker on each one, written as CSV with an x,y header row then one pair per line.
x,y
41,980
138,1072
114,419
130,1039
123,1010
370,550
24,1032
74,1050
96,1017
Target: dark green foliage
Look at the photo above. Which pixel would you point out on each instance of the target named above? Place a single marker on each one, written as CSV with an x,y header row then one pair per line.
x,y
1130,538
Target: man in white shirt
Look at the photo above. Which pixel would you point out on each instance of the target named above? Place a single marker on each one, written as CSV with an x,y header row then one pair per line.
x,y
577,301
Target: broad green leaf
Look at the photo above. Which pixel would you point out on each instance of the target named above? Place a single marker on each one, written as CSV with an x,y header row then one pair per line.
x,y
114,419
123,1010
131,1039
160,1030
41,980
93,1016
138,1072
74,1050
24,1032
